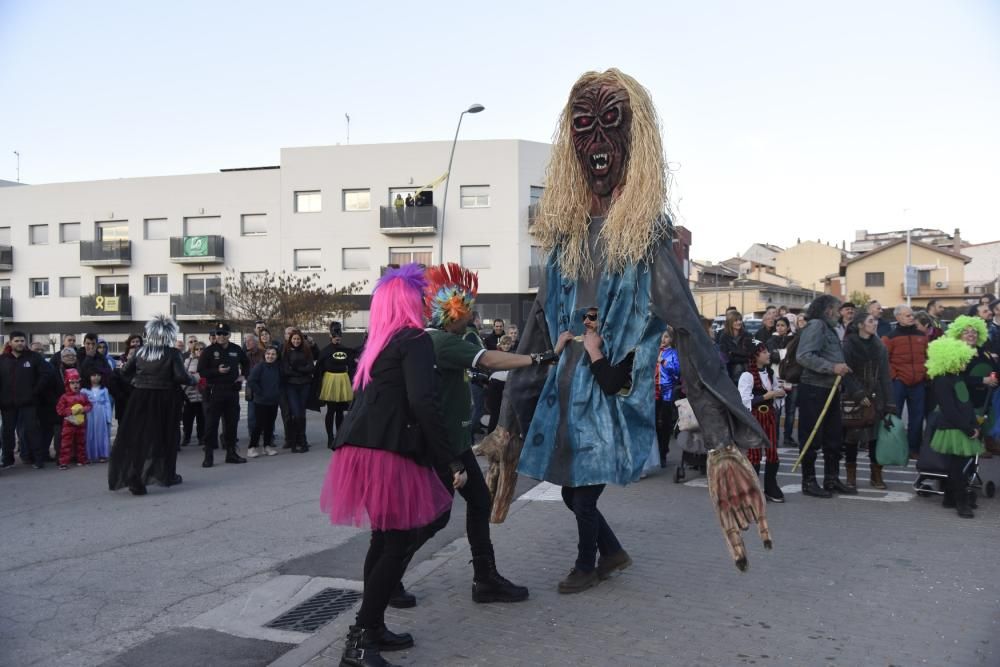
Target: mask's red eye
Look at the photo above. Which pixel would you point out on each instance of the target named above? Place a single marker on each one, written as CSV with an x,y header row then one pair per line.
x,y
583,122
610,117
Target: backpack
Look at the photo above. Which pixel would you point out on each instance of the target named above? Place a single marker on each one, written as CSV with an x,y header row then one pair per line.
x,y
789,369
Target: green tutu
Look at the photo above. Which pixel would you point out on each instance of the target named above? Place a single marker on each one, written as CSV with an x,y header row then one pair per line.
x,y
954,442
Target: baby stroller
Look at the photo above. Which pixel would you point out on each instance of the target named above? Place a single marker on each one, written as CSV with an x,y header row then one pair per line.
x,y
693,453
932,469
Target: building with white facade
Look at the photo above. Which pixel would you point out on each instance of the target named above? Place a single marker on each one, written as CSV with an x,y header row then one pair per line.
x,y
106,255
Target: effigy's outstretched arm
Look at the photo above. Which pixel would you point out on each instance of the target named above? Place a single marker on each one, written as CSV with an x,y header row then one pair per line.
x,y
502,447
725,423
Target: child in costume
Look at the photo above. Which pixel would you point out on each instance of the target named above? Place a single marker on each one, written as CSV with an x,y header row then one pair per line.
x,y
335,366
73,407
957,433
763,396
99,422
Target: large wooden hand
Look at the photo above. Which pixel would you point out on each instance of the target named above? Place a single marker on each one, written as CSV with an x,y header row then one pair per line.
x,y
736,496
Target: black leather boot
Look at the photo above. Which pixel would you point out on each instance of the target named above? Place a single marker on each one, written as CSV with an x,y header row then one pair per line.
x,y
489,586
402,598
834,484
232,456
209,458
811,488
360,651
385,639
772,490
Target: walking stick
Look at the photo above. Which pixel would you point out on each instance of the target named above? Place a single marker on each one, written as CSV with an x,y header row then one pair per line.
x,y
822,415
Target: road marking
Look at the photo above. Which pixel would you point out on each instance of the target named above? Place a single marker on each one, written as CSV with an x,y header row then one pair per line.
x,y
544,491
863,494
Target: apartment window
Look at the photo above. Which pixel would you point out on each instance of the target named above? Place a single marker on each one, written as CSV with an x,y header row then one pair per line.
x,y
112,286
69,286
875,279
355,259
536,266
69,232
493,311
39,287
38,235
253,224
5,235
357,200
202,284
357,321
475,256
309,258
475,196
406,255
207,225
112,230
154,229
924,278
536,195
156,284
308,201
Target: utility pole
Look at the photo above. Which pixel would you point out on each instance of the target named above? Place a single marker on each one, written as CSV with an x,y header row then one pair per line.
x,y
348,117
18,154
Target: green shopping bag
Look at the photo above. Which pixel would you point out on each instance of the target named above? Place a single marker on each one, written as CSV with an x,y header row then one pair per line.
x,y
892,448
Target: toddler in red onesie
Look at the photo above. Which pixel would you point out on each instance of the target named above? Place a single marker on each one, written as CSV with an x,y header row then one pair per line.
x,y
73,407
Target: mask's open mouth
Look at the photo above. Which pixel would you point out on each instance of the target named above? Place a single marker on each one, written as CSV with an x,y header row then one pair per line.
x,y
600,163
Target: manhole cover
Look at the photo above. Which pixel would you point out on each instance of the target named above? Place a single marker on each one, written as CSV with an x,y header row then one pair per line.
x,y
317,611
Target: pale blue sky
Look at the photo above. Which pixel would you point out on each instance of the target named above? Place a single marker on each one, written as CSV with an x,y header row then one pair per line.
x,y
781,119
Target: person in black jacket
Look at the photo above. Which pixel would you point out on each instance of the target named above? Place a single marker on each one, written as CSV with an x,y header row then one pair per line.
x,y
21,381
145,447
221,365
778,341
736,345
382,468
265,387
93,361
297,369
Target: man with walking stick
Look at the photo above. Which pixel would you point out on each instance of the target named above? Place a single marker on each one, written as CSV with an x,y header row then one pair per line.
x,y
822,360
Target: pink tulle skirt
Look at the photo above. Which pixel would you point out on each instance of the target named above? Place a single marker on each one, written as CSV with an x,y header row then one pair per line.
x,y
380,489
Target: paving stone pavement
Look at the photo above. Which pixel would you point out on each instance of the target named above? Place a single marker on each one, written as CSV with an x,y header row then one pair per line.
x,y
848,583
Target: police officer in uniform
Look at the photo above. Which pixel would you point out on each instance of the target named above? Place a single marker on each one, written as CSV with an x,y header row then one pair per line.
x,y
221,364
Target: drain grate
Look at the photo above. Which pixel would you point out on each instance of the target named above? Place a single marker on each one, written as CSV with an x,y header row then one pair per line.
x,y
317,611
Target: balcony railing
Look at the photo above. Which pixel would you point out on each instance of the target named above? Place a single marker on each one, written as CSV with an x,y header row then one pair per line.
x,y
197,306
6,308
99,307
105,253
408,219
197,249
6,258
936,288
532,213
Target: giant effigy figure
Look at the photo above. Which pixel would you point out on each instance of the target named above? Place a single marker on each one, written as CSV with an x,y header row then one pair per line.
x,y
602,222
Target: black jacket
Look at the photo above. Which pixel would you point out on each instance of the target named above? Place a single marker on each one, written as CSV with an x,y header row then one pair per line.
x,y
21,379
399,410
265,383
777,342
164,373
296,367
955,413
214,356
95,364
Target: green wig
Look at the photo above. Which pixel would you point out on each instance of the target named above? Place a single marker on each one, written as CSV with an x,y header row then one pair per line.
x,y
963,322
948,355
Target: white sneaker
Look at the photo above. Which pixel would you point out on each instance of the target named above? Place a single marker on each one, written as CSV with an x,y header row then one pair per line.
x,y
252,453
270,451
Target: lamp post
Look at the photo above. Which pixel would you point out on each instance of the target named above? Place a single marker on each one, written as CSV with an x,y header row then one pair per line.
x,y
475,108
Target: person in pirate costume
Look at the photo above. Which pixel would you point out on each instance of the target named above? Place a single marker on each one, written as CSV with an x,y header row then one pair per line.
x,y
335,370
602,222
145,447
763,396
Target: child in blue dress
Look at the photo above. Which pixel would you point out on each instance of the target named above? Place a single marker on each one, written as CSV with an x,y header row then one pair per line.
x,y
99,420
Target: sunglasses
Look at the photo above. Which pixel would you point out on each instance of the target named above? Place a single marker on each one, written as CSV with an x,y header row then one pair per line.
x,y
591,317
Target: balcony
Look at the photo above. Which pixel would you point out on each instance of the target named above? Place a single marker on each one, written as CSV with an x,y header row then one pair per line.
x,y
408,220
532,213
197,250
6,258
106,253
197,306
6,308
95,307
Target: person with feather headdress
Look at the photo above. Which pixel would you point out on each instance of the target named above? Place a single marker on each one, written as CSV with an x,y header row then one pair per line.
x,y
145,447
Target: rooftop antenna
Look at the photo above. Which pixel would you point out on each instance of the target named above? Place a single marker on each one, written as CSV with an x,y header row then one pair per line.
x,y
18,165
348,117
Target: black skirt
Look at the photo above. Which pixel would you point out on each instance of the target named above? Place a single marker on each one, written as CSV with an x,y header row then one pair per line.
x,y
145,447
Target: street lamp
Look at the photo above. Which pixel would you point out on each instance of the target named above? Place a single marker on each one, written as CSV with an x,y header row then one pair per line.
x,y
475,108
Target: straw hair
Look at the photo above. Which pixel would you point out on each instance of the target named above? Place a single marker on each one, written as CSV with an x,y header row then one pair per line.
x,y
635,221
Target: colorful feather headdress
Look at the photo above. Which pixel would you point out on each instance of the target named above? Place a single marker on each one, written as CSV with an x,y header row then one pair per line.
x,y
451,292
